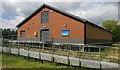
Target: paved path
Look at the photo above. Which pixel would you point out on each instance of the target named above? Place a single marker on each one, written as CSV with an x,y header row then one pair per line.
x,y
62,59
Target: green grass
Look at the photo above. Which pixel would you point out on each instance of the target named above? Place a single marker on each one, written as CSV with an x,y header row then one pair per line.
x,y
10,61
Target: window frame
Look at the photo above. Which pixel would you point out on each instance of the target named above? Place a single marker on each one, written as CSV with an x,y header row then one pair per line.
x,y
21,35
46,18
65,35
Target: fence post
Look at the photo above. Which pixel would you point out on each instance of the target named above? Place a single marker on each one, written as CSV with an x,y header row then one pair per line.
x,y
68,55
42,48
100,58
2,45
79,56
27,46
43,45
39,51
9,47
9,44
83,48
106,51
53,51
89,51
6,45
59,47
18,48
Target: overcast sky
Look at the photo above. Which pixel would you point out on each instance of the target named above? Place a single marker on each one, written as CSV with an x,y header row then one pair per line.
x,y
14,12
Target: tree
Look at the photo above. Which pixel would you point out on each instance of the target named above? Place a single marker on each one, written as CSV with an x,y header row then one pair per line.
x,y
8,33
116,33
112,25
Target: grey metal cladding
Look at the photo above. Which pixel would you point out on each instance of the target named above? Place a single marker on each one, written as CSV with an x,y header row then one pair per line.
x,y
88,40
55,40
68,40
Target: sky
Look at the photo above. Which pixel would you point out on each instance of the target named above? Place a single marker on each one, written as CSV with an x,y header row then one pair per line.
x,y
96,11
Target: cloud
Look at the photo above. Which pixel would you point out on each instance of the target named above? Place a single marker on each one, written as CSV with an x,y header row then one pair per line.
x,y
11,23
20,8
96,12
119,12
61,0
66,6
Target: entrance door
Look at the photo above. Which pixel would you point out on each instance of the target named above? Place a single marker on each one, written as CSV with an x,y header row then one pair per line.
x,y
45,35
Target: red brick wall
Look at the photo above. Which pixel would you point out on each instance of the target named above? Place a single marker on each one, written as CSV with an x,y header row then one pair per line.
x,y
56,24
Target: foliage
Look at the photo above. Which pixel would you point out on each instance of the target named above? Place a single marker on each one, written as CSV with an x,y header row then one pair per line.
x,y
116,33
112,25
7,33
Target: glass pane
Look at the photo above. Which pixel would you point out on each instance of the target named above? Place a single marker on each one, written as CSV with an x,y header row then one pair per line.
x,y
44,17
22,33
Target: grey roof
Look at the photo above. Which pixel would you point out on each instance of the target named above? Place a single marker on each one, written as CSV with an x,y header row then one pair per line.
x,y
61,11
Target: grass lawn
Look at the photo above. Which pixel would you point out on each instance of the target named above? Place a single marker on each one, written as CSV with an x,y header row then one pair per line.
x,y
10,61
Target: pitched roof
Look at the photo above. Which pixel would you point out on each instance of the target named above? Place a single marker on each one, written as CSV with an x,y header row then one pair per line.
x,y
60,11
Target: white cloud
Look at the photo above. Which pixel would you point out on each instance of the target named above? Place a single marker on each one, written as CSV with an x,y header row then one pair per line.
x,y
61,0
20,8
11,23
97,12
93,11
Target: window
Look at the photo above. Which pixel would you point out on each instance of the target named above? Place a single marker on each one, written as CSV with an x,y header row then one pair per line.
x,y
44,17
22,33
65,32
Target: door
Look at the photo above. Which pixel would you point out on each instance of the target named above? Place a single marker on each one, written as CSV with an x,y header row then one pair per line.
x,y
45,35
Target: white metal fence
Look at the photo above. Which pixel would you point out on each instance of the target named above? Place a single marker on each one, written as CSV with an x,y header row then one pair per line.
x,y
66,55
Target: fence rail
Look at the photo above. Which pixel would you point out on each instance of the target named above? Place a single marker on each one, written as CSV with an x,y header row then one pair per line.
x,y
63,54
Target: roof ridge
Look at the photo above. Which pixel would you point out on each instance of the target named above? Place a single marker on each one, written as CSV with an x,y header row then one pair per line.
x,y
61,11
